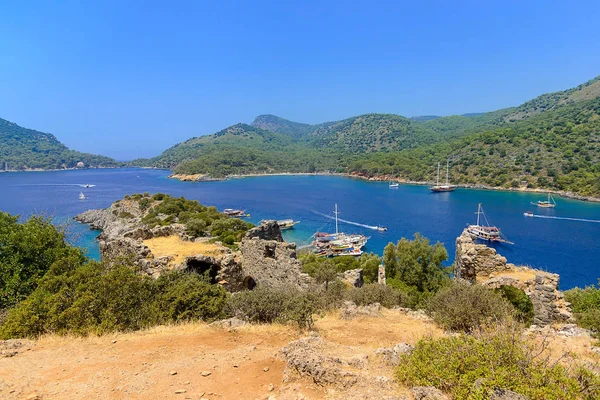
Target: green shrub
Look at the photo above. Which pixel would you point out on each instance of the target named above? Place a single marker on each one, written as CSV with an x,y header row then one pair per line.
x,y
520,301
27,251
95,298
279,304
374,293
585,304
195,227
188,296
464,307
125,214
473,366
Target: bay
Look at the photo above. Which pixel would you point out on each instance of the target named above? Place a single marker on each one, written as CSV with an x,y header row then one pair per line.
x,y
567,247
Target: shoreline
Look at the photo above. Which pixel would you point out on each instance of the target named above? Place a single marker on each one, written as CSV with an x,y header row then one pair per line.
x,y
384,178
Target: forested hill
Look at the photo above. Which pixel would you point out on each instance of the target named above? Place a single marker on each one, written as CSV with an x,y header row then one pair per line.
x,y
550,142
22,149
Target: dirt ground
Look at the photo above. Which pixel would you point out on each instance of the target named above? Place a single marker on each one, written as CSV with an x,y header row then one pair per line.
x,y
197,361
157,363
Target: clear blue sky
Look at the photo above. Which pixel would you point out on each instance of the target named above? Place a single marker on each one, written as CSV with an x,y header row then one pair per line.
x,y
131,78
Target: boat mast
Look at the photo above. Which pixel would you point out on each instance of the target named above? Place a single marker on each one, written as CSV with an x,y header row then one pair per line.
x,y
438,176
478,213
336,219
447,167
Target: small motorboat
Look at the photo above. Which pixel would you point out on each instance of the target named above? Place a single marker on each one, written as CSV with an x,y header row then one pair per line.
x,y
235,213
528,214
381,228
393,185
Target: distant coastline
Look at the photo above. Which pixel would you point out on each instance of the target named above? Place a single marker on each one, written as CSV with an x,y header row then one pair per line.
x,y
382,178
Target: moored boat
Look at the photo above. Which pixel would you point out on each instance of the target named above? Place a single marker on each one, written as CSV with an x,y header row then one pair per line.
x,y
287,223
82,196
393,185
550,203
486,232
442,188
235,213
338,243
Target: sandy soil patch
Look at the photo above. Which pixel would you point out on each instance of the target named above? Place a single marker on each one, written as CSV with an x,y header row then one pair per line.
x,y
180,249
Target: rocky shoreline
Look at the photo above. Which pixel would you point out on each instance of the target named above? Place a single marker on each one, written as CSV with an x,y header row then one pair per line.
x,y
384,178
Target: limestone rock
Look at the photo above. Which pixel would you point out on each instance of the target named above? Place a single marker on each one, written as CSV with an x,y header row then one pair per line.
x,y
228,323
392,355
505,394
269,230
428,393
306,357
350,310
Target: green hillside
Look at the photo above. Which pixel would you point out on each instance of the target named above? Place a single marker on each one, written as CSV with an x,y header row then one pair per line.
x,y
22,149
549,142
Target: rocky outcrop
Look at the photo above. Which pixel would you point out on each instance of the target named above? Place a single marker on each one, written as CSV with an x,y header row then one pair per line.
x,y
392,355
476,259
479,263
268,260
268,230
306,357
428,393
264,259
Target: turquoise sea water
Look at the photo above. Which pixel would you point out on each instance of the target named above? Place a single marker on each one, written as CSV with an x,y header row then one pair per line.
x,y
570,248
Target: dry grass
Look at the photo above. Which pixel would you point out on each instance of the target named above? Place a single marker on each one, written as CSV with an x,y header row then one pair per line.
x,y
180,249
518,274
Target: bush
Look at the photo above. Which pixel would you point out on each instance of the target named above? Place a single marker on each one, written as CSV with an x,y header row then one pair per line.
x,y
473,366
98,299
27,251
464,307
375,293
195,227
188,296
585,304
279,304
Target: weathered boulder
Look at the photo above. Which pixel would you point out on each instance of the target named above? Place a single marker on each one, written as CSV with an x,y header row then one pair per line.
x,y
306,357
428,393
228,323
505,394
392,355
350,310
268,230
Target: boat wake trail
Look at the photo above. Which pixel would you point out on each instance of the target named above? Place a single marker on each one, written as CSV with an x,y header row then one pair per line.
x,y
567,218
375,228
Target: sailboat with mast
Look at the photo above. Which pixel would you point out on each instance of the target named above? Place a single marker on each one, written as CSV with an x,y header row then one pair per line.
x,y
338,243
486,232
442,188
550,203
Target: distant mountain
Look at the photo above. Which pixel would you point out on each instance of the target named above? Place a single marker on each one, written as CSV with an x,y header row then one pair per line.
x,y
549,142
22,149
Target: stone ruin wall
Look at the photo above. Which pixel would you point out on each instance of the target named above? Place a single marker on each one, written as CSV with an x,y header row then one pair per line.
x,y
482,264
268,260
